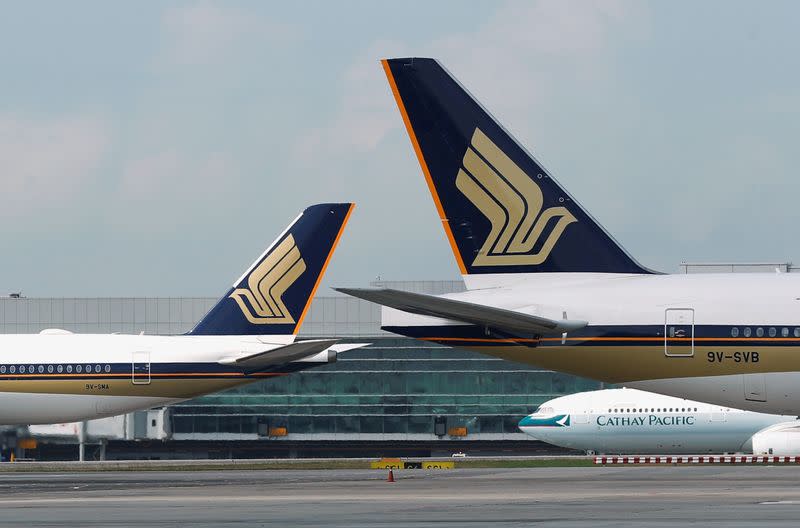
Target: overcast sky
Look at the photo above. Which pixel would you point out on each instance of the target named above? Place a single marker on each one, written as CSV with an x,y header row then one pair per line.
x,y
155,148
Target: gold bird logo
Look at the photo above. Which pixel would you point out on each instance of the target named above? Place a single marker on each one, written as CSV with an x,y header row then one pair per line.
x,y
512,202
261,302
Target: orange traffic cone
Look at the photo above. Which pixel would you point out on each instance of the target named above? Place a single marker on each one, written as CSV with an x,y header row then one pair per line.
x,y
391,476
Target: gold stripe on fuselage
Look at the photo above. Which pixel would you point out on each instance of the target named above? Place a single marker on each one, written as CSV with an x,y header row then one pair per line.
x,y
158,387
619,364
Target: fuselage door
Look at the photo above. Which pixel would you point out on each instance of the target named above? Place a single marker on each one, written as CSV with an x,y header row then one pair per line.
x,y
140,368
679,332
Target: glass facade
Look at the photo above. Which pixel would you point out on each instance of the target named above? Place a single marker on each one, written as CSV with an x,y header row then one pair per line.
x,y
393,389
396,388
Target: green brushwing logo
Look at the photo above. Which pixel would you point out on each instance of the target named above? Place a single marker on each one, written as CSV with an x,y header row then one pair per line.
x,y
559,420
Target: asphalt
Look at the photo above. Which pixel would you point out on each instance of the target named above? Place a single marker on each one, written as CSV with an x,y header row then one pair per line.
x,y
597,496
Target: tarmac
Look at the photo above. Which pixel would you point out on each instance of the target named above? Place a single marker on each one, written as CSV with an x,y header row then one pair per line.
x,y
563,497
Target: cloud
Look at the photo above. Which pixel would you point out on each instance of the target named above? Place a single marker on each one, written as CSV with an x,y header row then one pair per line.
x,y
203,34
175,190
48,162
522,55
363,115
522,44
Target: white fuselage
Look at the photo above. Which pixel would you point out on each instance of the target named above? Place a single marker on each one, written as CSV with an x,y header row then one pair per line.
x,y
729,339
71,377
629,421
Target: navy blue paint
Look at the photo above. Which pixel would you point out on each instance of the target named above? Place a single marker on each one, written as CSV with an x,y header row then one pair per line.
x,y
713,335
171,370
444,116
314,233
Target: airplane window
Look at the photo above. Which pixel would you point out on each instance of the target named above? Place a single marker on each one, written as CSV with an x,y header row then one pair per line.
x,y
747,331
49,369
683,410
108,368
12,368
734,332
69,369
759,332
97,368
60,369
88,368
2,369
78,369
40,368
772,332
784,332
30,369
797,332
695,409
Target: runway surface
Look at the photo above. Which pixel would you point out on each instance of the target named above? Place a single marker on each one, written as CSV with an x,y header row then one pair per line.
x,y
649,496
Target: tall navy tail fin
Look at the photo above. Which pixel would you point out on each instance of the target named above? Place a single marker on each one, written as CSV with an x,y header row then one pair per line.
x,y
273,295
502,212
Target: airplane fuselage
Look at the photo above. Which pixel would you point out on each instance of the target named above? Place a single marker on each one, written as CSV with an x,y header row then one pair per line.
x,y
630,421
729,339
71,377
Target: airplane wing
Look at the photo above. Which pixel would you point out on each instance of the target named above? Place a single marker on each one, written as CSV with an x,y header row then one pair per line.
x,y
277,356
467,312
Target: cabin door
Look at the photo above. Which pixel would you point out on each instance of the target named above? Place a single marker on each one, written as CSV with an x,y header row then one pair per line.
x,y
679,332
140,368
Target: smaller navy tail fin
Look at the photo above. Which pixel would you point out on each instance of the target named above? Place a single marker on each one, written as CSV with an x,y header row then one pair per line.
x,y
501,210
273,295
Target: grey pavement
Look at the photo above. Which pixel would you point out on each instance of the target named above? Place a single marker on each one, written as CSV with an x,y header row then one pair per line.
x,y
610,496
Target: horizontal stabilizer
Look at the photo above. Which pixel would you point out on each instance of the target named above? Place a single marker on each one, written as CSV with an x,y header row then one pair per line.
x,y
477,314
279,356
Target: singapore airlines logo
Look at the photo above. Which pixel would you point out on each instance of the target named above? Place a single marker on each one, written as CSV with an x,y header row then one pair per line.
x,y
512,202
261,302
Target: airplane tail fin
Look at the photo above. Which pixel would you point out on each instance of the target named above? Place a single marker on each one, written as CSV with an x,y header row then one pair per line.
x,y
501,210
274,294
